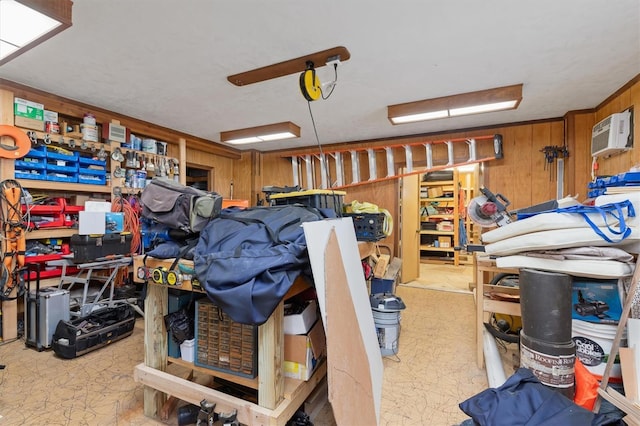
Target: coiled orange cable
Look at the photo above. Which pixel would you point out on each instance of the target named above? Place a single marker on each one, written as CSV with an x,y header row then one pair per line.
x,y
131,221
131,224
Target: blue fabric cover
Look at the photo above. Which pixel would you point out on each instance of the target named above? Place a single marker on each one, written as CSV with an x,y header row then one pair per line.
x,y
523,400
166,250
246,260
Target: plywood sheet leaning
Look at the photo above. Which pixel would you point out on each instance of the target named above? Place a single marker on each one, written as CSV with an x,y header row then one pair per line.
x,y
354,362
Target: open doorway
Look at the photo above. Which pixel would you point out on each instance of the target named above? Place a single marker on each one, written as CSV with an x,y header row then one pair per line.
x,y
200,177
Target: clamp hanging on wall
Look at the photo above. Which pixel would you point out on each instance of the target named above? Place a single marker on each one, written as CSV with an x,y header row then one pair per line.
x,y
551,153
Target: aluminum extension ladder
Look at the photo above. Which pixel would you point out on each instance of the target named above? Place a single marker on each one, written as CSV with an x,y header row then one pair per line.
x,y
306,166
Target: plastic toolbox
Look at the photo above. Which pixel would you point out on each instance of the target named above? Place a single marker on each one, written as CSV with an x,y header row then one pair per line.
x,y
81,335
87,248
318,198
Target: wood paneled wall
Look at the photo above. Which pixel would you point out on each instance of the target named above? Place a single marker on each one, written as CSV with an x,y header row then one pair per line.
x,y
629,96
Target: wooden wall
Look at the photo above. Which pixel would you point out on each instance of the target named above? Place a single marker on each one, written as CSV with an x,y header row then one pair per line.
x,y
628,96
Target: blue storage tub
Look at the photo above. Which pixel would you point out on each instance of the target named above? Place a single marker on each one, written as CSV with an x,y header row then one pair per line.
x,y
23,174
33,164
38,152
92,180
92,162
69,168
57,156
62,177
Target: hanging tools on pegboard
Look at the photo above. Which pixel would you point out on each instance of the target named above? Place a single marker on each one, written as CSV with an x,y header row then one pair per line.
x,y
551,153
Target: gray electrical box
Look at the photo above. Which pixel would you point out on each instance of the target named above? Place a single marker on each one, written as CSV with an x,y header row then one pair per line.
x,y
43,314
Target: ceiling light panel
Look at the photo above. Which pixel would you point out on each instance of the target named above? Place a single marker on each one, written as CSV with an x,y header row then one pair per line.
x,y
497,99
26,23
268,132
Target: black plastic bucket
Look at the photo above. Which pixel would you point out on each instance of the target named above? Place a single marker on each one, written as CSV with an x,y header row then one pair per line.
x,y
545,303
552,363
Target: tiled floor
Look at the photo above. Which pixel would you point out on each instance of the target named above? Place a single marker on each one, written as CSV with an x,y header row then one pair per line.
x,y
434,371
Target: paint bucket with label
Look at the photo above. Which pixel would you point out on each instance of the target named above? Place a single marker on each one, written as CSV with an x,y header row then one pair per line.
x,y
546,347
552,363
386,310
593,346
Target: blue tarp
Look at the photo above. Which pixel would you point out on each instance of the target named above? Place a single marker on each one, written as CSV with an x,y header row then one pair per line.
x,y
247,260
523,400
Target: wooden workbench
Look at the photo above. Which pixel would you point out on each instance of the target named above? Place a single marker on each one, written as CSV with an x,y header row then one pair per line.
x,y
278,397
485,270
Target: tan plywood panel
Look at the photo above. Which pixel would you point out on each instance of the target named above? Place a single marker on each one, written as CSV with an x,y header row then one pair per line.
x,y
354,361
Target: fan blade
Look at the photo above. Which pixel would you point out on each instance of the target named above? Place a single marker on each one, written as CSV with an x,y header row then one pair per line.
x,y
291,66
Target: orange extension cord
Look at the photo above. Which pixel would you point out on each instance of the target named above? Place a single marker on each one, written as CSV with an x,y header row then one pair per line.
x,y
131,224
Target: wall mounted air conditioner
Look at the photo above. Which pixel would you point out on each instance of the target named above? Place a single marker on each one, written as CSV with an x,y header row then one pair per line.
x,y
611,135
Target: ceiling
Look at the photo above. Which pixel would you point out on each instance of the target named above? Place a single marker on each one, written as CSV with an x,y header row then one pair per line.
x,y
167,61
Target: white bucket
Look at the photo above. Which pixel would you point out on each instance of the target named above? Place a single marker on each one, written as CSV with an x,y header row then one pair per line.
x,y
593,346
388,330
187,350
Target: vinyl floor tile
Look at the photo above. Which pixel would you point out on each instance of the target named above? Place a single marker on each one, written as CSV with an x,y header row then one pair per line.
x,y
433,371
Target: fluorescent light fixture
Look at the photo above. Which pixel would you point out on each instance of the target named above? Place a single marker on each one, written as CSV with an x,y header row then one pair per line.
x,y
26,23
269,132
498,99
420,117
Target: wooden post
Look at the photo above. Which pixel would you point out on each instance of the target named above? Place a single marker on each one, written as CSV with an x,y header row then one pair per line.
x,y
182,146
270,359
9,307
155,344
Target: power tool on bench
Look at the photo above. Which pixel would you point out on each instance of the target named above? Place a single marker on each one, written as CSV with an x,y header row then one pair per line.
x,y
489,209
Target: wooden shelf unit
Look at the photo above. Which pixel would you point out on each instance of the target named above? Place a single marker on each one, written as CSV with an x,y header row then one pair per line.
x,y
73,142
447,208
485,269
278,397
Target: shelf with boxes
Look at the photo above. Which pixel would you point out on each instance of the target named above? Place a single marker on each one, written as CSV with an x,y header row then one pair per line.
x,y
439,218
72,150
71,157
133,168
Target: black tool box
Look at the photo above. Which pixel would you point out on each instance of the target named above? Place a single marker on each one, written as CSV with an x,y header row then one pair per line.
x,y
87,248
81,335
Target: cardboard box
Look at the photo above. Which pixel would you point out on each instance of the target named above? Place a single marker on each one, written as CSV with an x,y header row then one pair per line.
x,y
91,222
97,206
435,192
302,353
445,225
28,114
114,222
301,323
78,199
597,301
444,241
51,116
